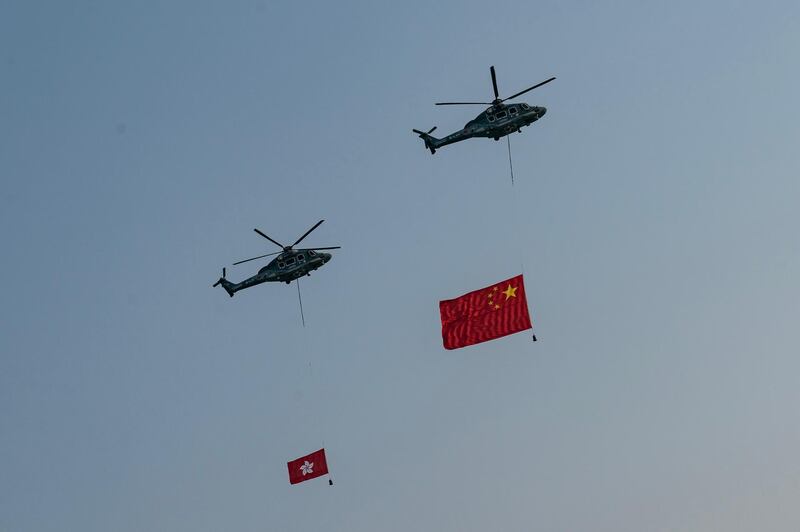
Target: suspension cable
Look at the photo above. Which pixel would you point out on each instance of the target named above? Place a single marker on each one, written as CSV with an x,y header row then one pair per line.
x,y
300,299
510,164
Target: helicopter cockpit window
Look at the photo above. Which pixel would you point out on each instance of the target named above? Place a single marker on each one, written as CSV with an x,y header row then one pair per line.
x,y
301,258
525,106
312,253
512,110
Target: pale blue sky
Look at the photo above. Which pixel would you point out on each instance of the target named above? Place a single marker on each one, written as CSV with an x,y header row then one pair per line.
x,y
654,215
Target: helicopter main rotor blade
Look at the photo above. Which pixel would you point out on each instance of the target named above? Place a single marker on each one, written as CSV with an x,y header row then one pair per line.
x,y
494,83
464,103
259,257
268,238
529,89
317,249
307,233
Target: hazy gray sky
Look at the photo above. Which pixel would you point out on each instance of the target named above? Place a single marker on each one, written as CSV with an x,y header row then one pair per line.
x,y
654,216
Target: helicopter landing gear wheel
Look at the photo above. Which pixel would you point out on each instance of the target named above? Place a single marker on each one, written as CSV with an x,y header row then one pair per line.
x,y
497,138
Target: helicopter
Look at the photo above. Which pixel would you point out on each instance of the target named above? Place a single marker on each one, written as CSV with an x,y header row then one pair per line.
x,y
497,121
289,265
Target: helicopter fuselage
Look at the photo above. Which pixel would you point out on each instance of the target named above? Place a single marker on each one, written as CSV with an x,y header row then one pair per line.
x,y
495,122
289,264
286,267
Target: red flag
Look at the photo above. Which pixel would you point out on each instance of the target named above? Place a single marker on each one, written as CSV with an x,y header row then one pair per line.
x,y
307,467
485,314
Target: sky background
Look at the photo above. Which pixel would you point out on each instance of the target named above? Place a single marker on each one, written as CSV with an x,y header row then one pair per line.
x,y
654,216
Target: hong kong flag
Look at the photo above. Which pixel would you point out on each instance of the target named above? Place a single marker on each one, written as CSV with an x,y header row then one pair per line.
x,y
485,314
307,467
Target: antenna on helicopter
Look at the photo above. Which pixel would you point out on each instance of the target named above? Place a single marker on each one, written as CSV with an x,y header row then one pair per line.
x,y
223,272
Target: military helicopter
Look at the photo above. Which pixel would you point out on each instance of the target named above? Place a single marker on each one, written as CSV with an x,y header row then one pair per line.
x,y
289,265
497,121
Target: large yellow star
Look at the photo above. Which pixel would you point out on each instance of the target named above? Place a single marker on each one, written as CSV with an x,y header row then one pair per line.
x,y
510,292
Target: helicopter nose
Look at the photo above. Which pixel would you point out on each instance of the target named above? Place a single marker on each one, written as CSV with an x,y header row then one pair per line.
x,y
326,257
542,111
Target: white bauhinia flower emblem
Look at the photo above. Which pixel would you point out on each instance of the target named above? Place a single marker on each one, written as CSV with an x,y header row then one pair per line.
x,y
307,468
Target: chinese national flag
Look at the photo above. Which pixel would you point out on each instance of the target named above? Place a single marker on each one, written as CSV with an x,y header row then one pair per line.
x,y
307,467
485,314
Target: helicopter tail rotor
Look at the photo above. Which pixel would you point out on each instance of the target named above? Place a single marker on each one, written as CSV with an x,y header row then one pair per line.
x,y
226,284
430,142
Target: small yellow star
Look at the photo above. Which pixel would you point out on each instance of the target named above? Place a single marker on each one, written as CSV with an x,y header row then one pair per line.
x,y
495,289
510,292
496,307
